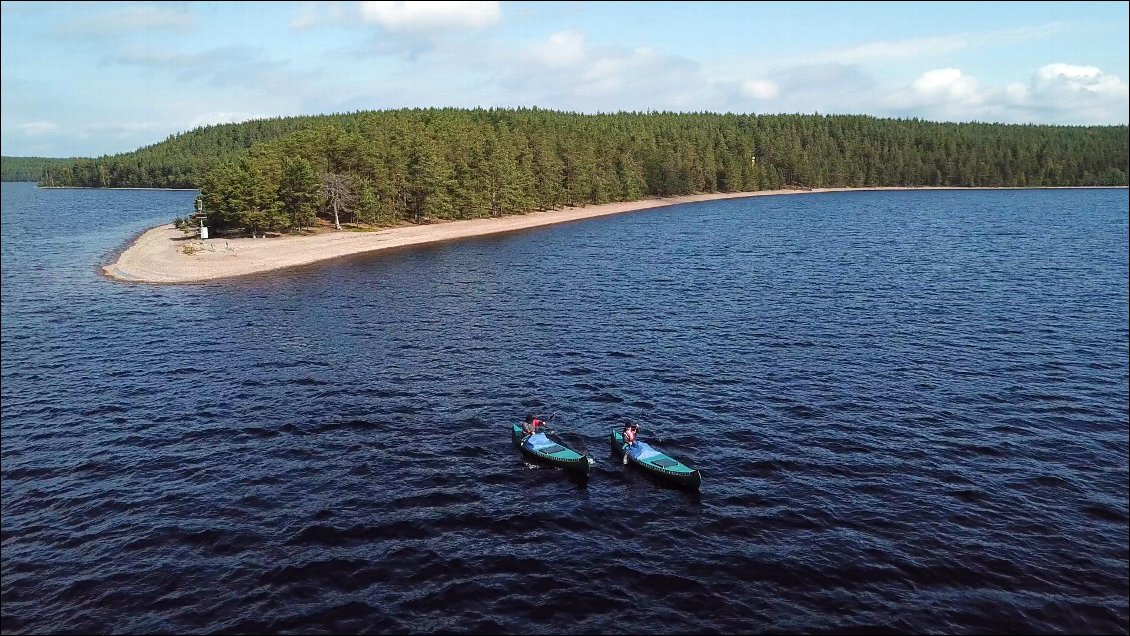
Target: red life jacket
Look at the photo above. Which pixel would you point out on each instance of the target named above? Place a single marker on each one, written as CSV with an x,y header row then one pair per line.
x,y
630,435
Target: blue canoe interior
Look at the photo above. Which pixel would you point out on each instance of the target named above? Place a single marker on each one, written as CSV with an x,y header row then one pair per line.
x,y
554,452
657,464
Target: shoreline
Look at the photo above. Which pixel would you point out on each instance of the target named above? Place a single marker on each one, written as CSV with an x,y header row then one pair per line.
x,y
104,187
156,256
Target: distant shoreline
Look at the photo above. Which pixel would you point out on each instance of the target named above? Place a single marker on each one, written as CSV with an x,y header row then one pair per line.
x,y
157,255
103,188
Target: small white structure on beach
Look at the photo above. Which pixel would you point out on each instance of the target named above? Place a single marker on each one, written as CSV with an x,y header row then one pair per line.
x,y
200,215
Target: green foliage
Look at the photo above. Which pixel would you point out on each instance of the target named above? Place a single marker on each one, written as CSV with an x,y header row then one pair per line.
x,y
368,206
299,192
416,164
28,168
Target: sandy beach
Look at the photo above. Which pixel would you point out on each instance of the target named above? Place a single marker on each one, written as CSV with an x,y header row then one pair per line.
x,y
157,256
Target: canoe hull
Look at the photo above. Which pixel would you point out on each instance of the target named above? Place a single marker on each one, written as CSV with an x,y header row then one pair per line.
x,y
672,472
566,458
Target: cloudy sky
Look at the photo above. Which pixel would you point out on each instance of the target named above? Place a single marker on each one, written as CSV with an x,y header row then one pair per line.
x,y
86,79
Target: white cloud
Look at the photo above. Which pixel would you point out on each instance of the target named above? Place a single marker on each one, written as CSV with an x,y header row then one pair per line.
x,y
38,128
315,14
235,67
946,86
1056,94
803,88
1065,78
760,89
947,94
1017,92
416,17
562,49
49,139
1073,94
565,72
887,50
307,17
898,49
396,54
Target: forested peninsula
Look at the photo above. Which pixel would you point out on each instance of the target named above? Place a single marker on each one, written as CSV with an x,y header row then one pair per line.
x,y
30,168
388,167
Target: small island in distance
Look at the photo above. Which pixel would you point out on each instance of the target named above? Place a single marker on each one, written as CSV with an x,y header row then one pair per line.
x,y
406,173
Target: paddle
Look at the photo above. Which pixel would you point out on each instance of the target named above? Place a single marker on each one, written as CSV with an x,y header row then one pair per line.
x,y
657,437
546,424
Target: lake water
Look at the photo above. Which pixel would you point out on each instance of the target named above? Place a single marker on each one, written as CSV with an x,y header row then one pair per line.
x,y
909,410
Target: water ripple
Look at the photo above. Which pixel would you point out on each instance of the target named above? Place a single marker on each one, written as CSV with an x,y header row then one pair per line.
x,y
909,408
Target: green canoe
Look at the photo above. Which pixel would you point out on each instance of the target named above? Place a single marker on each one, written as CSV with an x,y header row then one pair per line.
x,y
655,463
541,448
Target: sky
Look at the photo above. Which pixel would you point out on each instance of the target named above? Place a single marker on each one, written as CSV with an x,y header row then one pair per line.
x,y
96,78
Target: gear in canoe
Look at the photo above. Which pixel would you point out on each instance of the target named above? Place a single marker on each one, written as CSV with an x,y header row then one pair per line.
x,y
539,447
639,453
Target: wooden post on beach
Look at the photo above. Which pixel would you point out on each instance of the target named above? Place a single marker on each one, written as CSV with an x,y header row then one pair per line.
x,y
200,215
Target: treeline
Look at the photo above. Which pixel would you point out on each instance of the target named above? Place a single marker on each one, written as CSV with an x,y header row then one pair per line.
x,y
389,166
28,168
411,165
181,161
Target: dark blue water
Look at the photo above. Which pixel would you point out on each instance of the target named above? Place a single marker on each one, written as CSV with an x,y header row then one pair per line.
x,y
909,409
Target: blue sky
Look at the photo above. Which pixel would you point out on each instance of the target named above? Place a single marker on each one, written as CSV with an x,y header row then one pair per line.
x,y
86,79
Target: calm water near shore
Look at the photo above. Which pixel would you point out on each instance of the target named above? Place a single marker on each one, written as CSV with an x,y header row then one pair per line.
x,y
909,409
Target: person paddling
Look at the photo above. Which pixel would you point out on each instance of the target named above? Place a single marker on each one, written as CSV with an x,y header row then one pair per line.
x,y
530,426
629,434
630,431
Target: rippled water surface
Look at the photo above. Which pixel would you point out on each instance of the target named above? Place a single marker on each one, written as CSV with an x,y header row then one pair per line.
x,y
909,410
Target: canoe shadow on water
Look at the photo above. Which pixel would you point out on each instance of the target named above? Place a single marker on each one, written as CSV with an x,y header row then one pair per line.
x,y
578,479
619,473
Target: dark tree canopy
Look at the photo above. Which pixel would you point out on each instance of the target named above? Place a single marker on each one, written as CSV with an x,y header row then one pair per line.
x,y
28,168
416,164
